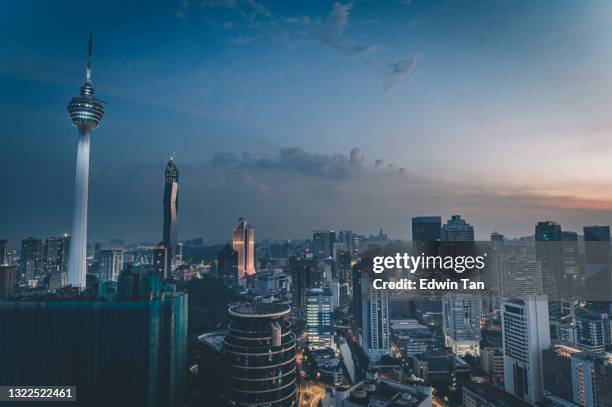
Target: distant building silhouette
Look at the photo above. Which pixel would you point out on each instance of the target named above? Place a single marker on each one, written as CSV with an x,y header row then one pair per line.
x,y
227,266
171,180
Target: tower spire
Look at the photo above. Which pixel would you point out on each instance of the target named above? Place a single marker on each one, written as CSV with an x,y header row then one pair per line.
x,y
89,54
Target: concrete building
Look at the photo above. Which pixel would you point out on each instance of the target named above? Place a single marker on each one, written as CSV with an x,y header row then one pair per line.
x,y
461,322
319,320
525,334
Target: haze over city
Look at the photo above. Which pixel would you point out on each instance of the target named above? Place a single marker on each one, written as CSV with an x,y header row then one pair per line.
x,y
357,114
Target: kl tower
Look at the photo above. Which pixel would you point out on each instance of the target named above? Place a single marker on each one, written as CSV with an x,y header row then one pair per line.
x,y
86,112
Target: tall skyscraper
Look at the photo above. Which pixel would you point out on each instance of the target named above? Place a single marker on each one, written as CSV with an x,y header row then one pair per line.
x,y
457,229
57,254
571,263
525,334
319,309
243,242
32,258
110,264
549,252
375,319
170,211
227,266
323,243
461,322
426,228
302,278
86,112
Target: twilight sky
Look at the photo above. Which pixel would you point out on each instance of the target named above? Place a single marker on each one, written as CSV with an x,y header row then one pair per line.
x,y
305,115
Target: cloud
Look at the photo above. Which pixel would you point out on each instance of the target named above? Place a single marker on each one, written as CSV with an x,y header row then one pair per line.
x,y
330,31
399,69
297,160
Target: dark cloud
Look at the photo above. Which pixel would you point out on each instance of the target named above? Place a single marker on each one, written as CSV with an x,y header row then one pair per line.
x,y
399,69
298,160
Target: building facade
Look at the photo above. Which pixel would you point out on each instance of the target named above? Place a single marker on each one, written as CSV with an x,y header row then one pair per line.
x,y
319,321
170,232
243,241
461,323
525,334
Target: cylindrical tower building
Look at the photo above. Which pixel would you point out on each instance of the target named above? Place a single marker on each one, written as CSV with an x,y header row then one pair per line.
x,y
259,354
86,112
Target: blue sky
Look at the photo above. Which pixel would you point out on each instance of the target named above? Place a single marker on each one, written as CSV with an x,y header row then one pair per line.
x,y
498,110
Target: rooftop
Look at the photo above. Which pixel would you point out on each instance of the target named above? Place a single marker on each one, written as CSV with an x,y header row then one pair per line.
x,y
213,339
258,310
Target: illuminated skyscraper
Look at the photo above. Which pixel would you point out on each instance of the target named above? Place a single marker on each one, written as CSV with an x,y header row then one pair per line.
x,y
243,242
170,211
86,112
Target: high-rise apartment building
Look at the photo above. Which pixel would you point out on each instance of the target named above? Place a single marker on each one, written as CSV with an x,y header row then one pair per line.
x,y
32,258
110,264
57,254
525,334
593,331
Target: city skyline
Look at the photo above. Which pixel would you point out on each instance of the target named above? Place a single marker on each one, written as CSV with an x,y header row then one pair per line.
x,y
377,122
